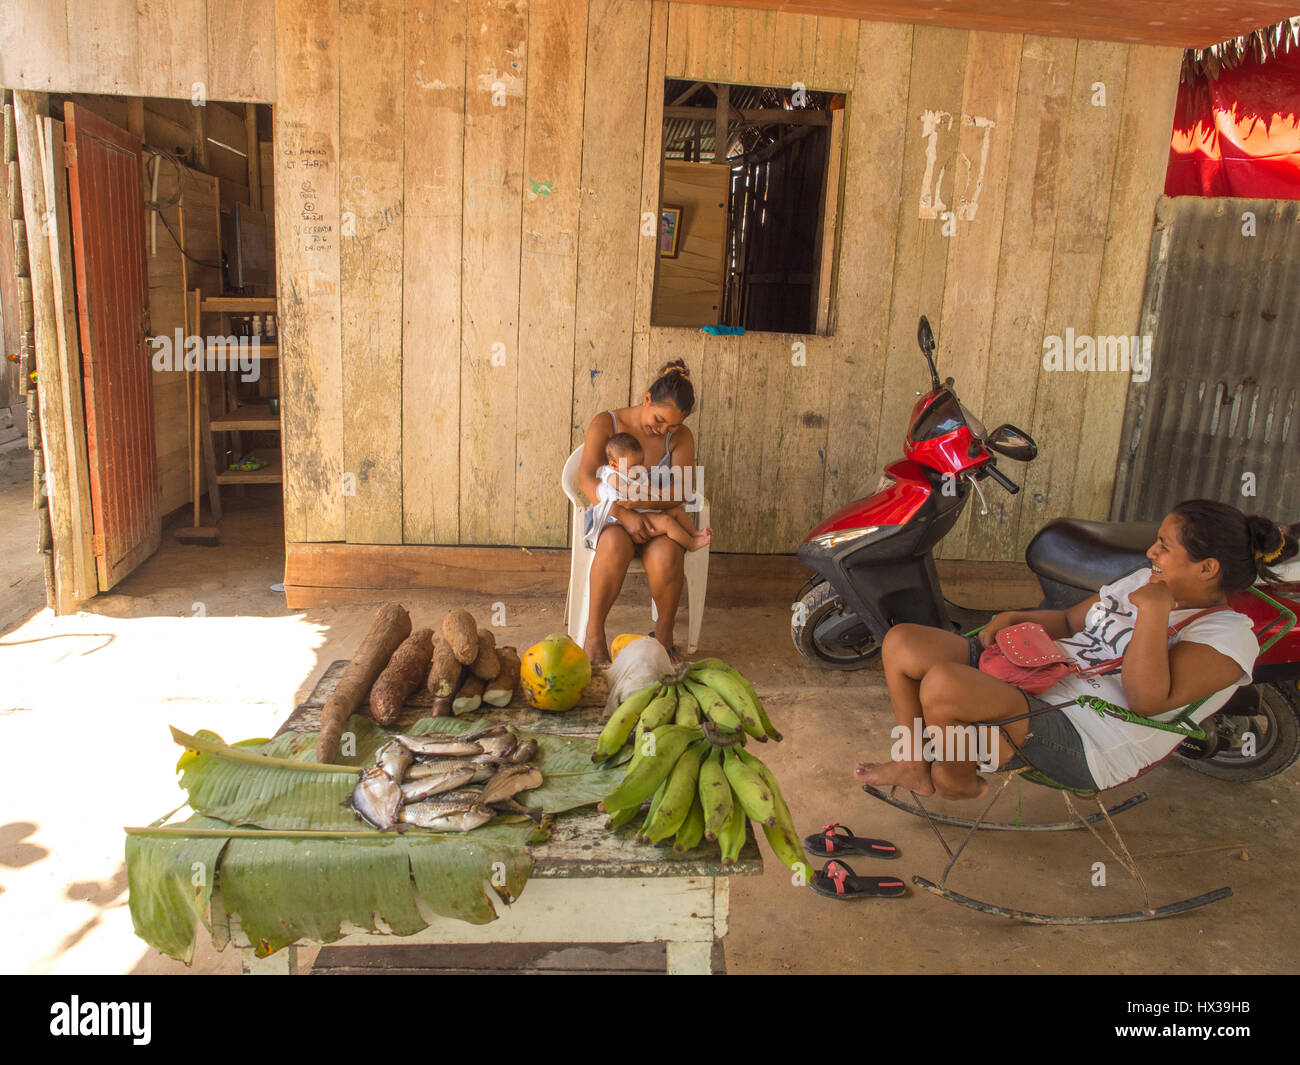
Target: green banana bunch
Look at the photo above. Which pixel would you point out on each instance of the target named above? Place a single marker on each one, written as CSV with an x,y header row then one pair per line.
x,y
688,708
715,794
661,709
714,707
732,835
751,793
644,776
678,796
620,724
692,830
782,836
756,704
654,809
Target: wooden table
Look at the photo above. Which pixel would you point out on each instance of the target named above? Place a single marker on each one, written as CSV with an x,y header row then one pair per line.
x,y
588,885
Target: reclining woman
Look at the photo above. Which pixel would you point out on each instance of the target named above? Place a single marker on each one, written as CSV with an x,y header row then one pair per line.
x,y
656,423
1204,552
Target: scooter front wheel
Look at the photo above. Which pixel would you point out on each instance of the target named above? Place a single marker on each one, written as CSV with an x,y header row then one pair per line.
x,y
827,632
1260,745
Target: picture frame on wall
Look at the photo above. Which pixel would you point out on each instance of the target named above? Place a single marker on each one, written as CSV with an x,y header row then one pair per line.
x,y
670,224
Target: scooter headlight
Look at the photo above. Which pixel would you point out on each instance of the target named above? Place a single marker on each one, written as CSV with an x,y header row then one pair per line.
x,y
843,536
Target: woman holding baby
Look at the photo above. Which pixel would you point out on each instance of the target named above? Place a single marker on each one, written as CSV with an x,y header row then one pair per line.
x,y
625,452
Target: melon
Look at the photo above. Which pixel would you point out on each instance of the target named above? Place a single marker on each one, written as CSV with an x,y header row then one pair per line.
x,y
554,672
622,641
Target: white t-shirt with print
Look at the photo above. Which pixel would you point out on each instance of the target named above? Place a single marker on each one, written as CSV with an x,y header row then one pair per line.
x,y
1117,750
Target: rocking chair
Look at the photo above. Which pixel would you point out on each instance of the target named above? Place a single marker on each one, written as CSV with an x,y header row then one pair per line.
x,y
1193,735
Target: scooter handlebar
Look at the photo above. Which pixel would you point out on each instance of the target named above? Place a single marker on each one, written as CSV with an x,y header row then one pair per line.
x,y
1002,479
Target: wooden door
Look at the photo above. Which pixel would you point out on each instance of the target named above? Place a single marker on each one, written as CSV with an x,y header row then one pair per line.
x,y
106,187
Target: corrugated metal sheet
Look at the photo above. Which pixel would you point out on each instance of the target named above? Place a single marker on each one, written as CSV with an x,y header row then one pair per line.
x,y
1220,415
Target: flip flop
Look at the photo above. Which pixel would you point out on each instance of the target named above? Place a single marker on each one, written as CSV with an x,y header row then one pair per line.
x,y
839,881
829,842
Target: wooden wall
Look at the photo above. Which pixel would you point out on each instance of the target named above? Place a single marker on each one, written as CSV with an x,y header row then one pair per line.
x,y
689,290
169,48
465,283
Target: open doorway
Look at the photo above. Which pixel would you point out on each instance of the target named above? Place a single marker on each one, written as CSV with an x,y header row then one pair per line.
x,y
162,247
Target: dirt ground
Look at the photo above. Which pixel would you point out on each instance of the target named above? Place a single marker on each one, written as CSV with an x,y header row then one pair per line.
x,y
197,638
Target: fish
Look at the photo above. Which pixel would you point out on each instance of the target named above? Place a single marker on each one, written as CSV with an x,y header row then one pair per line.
x,y
436,766
525,752
394,759
510,781
439,744
462,796
510,806
417,790
496,748
446,816
490,730
376,798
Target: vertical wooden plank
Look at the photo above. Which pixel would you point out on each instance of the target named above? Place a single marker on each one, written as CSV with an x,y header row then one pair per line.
x,y
1084,202
875,137
795,51
651,197
695,35
370,185
979,195
241,50
54,445
679,16
836,54
76,488
610,226
435,137
548,276
755,47
307,267
173,53
104,39
494,152
1149,98
920,261
723,428
1024,269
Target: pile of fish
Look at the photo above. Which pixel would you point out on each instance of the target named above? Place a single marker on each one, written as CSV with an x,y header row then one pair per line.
x,y
428,781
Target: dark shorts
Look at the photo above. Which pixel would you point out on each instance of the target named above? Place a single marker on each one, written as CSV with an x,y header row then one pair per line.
x,y
1053,745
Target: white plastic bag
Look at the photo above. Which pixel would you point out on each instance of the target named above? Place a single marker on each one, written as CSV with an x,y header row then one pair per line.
x,y
640,664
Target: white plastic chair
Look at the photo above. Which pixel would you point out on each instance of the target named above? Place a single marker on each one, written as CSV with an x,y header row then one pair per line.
x,y
575,608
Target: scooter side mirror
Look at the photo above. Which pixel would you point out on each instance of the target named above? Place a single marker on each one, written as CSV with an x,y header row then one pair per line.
x,y
925,335
1012,442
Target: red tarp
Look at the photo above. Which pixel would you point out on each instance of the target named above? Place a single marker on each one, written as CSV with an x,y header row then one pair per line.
x,y
1239,135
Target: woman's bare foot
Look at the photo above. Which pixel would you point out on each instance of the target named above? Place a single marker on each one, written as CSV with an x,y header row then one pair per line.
x,y
667,643
914,776
701,538
597,650
951,782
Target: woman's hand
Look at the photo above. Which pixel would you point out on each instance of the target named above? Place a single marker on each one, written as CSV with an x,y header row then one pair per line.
x,y
1154,596
989,633
636,525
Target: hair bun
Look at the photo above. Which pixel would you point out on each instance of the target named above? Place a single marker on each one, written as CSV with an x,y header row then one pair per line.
x,y
675,368
1268,541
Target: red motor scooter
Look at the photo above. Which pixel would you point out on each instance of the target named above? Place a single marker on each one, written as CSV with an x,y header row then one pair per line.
x,y
873,567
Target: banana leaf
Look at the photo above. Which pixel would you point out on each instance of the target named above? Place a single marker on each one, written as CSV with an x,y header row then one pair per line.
x,y
288,885
269,787
169,881
294,862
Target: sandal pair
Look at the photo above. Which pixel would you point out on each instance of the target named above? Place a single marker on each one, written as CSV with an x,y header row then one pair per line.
x,y
837,879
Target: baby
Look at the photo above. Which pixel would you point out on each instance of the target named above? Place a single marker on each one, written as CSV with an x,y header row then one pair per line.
x,y
624,467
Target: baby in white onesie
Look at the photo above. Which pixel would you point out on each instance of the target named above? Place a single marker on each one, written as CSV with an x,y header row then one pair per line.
x,y
623,452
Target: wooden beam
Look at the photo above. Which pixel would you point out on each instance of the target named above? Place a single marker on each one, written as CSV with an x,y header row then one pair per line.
x,y
759,116
77,488
721,137
688,94
27,114
254,157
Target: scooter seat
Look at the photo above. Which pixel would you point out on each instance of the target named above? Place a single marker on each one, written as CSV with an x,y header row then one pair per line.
x,y
1089,554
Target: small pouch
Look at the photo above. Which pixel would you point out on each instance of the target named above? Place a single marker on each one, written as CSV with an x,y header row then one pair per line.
x,y
1029,645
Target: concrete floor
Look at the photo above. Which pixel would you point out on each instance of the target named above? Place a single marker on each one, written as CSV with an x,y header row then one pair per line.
x,y
197,638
